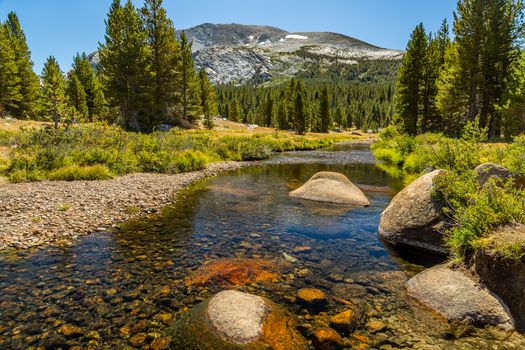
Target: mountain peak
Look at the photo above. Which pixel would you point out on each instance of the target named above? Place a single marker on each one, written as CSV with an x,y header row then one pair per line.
x,y
238,52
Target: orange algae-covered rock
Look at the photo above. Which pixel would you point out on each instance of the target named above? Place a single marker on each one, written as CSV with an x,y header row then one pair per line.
x,y
235,272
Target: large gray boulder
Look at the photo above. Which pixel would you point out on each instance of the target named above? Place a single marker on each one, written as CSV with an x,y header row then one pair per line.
x,y
233,320
488,171
414,217
331,187
458,298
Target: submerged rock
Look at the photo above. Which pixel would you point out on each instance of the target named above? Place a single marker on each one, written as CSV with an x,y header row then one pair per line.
x,y
235,272
500,264
489,171
331,188
458,298
233,320
311,297
327,339
414,217
345,321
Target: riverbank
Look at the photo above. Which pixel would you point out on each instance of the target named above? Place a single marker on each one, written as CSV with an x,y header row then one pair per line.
x,y
38,213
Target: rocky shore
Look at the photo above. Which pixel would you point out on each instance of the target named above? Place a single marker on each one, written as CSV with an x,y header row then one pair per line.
x,y
37,213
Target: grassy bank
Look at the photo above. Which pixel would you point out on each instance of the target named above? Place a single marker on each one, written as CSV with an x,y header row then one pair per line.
x,y
476,211
89,152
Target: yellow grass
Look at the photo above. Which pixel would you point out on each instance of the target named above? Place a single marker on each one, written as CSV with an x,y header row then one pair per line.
x,y
14,125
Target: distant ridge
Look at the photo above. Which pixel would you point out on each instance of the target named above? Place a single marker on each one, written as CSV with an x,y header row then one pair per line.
x,y
237,52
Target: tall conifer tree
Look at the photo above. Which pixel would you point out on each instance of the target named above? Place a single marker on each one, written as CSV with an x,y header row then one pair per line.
x,y
188,84
300,112
208,100
165,58
324,111
55,105
125,67
410,81
29,83
10,95
95,101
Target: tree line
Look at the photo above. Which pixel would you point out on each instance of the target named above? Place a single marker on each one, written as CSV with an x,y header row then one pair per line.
x,y
334,96
146,75
478,75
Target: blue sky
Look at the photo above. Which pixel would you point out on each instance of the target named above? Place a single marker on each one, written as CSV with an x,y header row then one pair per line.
x,y
64,27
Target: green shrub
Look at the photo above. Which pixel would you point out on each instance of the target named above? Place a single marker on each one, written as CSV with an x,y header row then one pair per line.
x,y
477,210
190,160
514,156
76,172
7,138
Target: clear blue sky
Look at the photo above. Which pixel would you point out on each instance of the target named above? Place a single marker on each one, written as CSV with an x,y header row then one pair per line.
x,y
64,27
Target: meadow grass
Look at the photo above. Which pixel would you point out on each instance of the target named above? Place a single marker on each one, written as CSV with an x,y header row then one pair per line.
x,y
96,151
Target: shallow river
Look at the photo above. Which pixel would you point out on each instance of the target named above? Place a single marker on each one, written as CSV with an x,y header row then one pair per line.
x,y
112,290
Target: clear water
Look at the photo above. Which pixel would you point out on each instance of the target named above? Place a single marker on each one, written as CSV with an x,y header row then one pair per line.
x,y
113,286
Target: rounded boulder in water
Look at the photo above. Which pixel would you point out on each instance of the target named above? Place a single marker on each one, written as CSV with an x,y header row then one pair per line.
x,y
233,320
331,187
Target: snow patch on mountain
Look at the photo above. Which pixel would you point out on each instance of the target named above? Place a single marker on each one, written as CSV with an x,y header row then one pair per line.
x,y
296,36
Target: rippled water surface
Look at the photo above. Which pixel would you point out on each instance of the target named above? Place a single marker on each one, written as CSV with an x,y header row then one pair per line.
x,y
112,290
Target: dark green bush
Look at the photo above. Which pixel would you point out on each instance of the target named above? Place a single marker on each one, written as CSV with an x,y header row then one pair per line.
x,y
476,210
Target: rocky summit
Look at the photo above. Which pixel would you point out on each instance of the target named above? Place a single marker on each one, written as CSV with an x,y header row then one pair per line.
x,y
238,53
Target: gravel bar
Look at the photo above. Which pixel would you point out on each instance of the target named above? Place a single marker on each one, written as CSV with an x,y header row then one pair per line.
x,y
38,213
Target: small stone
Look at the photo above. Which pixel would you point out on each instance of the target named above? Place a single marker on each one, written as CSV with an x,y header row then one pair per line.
x,y
327,339
138,340
344,321
111,292
70,331
164,317
160,344
375,326
302,249
311,297
336,277
93,335
165,292
125,330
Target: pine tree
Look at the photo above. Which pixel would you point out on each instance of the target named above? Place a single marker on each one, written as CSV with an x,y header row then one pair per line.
x,y
77,97
410,81
300,109
338,118
208,100
188,85
513,112
95,100
29,86
282,112
443,41
235,110
268,110
10,95
487,37
452,101
54,102
324,111
125,67
430,117
165,58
